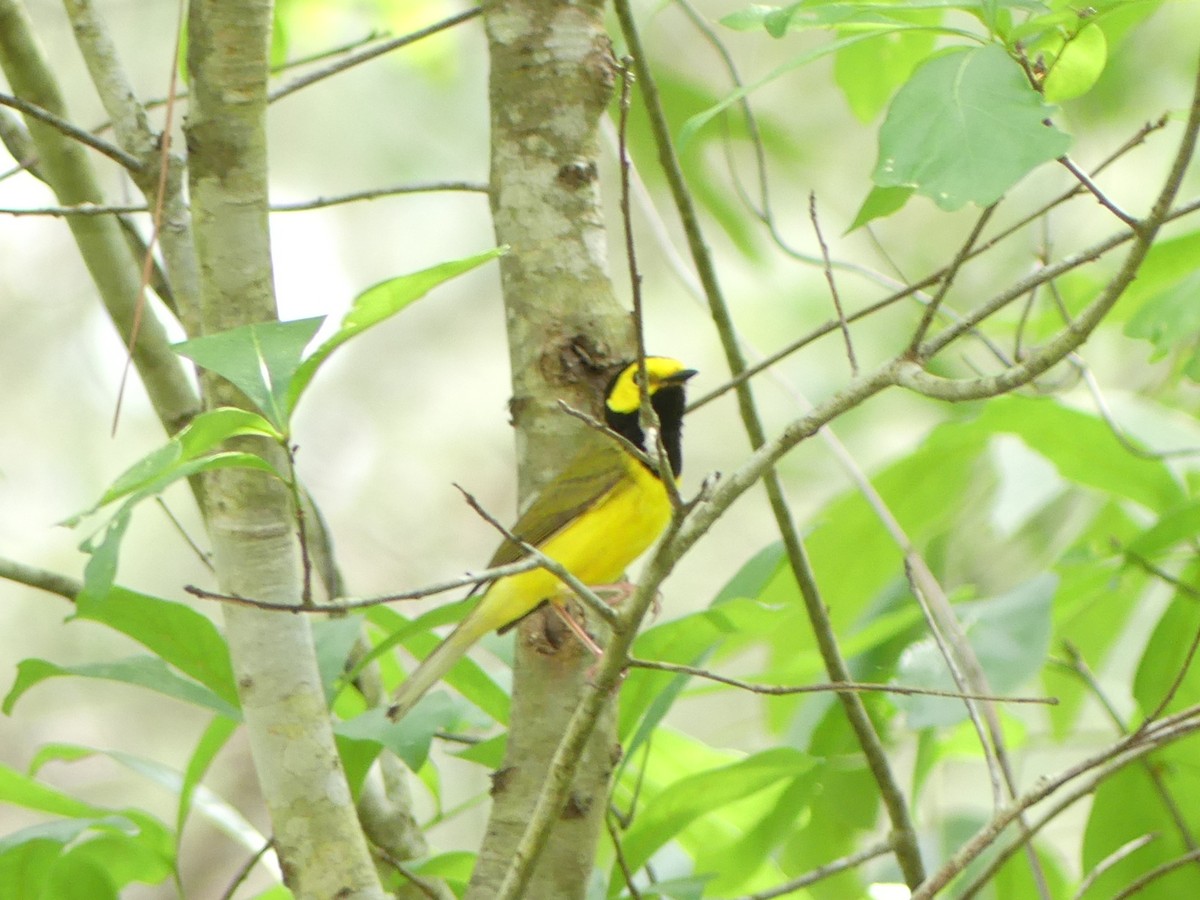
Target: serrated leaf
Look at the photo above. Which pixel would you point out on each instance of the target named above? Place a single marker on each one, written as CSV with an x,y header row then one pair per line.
x,y
965,128
376,304
259,359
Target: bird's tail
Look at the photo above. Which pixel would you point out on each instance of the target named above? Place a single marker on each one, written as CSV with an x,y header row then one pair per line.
x,y
438,663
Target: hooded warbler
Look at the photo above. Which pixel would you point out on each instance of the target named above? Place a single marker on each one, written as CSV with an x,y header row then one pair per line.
x,y
595,517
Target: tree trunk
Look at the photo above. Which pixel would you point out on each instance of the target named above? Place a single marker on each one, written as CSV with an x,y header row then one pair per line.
x,y
552,75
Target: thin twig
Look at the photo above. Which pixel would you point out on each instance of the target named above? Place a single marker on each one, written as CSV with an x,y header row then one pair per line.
x,y
429,187
204,558
822,872
619,852
386,47
42,579
833,291
244,872
783,690
592,422
113,152
947,279
1095,191
343,605
1123,852
1136,886
1176,682
1104,764
1102,407
1079,667
158,202
561,572
424,885
92,209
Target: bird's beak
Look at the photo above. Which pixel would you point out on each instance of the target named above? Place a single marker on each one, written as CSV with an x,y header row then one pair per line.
x,y
679,377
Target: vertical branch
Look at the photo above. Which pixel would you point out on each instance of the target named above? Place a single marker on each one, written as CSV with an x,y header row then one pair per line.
x,y
552,75
906,848
317,835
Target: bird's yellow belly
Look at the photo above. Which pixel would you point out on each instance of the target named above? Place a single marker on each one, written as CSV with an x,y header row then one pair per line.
x,y
596,548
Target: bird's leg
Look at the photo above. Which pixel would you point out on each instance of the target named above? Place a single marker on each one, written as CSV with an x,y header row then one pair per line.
x,y
618,592
580,632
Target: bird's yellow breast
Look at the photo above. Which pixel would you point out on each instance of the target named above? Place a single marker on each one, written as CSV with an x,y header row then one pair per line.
x,y
596,547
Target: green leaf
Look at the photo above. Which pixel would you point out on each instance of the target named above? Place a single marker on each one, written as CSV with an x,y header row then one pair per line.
x,y
335,639
104,546
647,696
376,304
260,359
1176,527
127,845
1077,65
698,121
1084,450
26,865
467,676
880,203
409,738
1129,804
965,128
845,807
184,455
104,549
1164,670
75,877
1169,319
870,72
173,631
21,790
489,753
664,815
148,672
1010,635
204,433
214,738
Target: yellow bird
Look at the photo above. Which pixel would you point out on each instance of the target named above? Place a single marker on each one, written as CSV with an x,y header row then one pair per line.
x,y
595,518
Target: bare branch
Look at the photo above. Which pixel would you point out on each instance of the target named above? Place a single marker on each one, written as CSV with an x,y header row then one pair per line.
x,y
33,111
827,267
371,52
783,690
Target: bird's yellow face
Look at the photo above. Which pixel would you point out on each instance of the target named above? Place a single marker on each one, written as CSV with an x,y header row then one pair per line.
x,y
660,372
